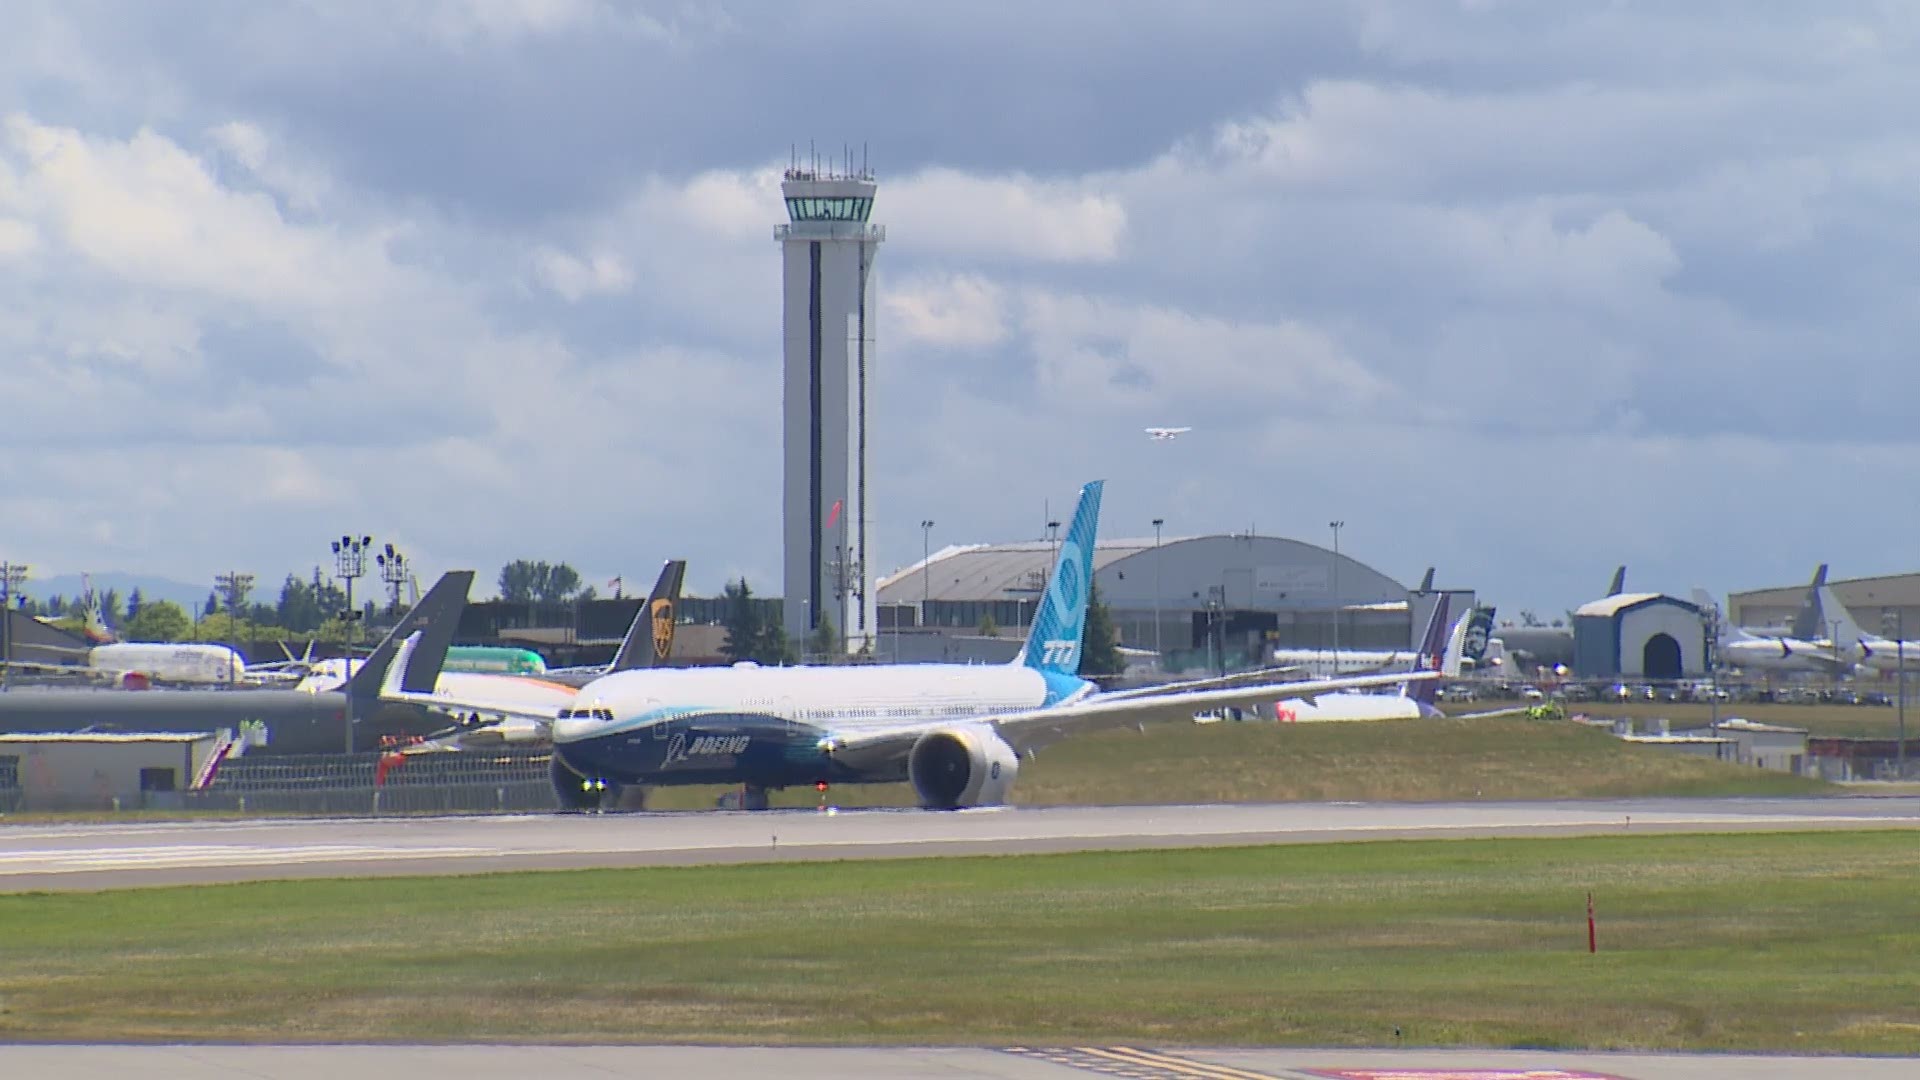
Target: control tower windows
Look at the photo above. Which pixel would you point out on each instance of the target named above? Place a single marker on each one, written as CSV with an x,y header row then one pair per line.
x,y
846,208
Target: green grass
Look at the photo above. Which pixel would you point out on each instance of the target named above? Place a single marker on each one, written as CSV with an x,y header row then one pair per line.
x,y
1851,721
1421,760
1750,942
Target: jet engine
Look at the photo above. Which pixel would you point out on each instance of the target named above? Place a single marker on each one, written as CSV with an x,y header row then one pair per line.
x,y
135,680
969,765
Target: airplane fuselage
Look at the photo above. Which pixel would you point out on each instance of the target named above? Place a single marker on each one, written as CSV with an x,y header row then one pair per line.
x,y
175,663
768,726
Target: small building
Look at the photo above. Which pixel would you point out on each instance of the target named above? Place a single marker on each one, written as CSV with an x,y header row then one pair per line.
x,y
98,770
1639,636
1764,746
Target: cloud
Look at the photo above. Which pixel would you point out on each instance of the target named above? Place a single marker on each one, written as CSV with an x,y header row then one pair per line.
x,y
957,311
574,277
1017,217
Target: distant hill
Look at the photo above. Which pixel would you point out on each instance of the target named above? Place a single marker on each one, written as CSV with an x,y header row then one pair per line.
x,y
185,594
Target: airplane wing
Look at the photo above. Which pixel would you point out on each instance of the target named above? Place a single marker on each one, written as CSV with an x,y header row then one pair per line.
x,y
1035,728
477,719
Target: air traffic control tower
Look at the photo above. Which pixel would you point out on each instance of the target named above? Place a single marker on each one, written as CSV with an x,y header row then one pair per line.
x,y
828,247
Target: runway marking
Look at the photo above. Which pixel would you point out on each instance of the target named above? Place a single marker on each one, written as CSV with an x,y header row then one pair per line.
x,y
1459,1074
82,860
1135,1063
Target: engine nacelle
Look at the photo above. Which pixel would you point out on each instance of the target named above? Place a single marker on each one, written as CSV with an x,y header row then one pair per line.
x,y
966,765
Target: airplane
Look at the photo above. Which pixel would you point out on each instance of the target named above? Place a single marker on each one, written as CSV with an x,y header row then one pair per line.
x,y
1882,654
1166,434
293,723
1441,648
1326,662
954,731
510,710
1801,649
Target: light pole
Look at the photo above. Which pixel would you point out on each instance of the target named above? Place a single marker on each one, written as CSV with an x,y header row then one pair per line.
x,y
1336,526
926,558
1159,657
1897,618
393,571
350,562
13,576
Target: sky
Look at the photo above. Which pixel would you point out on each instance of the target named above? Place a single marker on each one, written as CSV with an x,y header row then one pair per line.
x,y
1519,290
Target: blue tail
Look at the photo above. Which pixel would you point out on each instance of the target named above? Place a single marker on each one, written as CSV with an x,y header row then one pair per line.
x,y
1053,646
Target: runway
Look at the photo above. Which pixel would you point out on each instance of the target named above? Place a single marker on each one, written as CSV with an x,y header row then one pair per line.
x,y
101,856
915,1063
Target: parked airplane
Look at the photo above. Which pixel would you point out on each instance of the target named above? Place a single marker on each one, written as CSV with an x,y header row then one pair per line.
x,y
1882,654
1440,651
294,723
498,710
1800,650
1166,434
955,732
1325,663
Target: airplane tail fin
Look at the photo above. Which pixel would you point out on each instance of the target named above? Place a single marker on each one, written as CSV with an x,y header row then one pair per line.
x,y
1847,634
1479,634
1060,621
435,617
1809,623
1435,646
1619,584
1426,582
649,640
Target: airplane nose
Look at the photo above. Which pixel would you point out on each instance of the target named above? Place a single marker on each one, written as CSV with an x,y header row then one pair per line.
x,y
573,730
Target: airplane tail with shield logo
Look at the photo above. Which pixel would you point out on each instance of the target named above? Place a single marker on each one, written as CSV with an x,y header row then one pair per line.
x,y
1060,622
649,640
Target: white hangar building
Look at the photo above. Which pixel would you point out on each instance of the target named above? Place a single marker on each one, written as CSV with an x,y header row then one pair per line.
x,y
1639,636
1196,600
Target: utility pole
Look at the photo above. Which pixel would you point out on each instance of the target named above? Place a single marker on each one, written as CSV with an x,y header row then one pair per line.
x,y
1898,620
1336,526
1159,657
350,562
13,577
235,586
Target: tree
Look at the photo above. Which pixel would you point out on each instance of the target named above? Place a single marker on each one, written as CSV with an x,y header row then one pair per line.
x,y
525,581
989,628
823,645
212,606
110,612
1100,653
162,620
134,603
750,636
299,608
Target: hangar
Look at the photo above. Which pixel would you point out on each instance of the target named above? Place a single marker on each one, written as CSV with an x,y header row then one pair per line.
x,y
1199,601
1878,604
1639,636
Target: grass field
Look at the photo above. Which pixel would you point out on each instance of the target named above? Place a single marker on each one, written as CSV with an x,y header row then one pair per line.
x,y
1752,942
1421,760
1852,721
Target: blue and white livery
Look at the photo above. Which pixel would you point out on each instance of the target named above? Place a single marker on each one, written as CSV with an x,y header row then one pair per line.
x,y
956,732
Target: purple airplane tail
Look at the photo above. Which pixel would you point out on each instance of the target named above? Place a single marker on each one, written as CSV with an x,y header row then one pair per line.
x,y
1431,657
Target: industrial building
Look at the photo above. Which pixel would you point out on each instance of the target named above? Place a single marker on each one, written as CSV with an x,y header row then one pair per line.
x,y
827,252
1201,601
1639,636
98,770
1885,604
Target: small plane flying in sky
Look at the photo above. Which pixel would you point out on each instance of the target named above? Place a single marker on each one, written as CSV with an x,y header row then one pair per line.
x,y
1166,434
